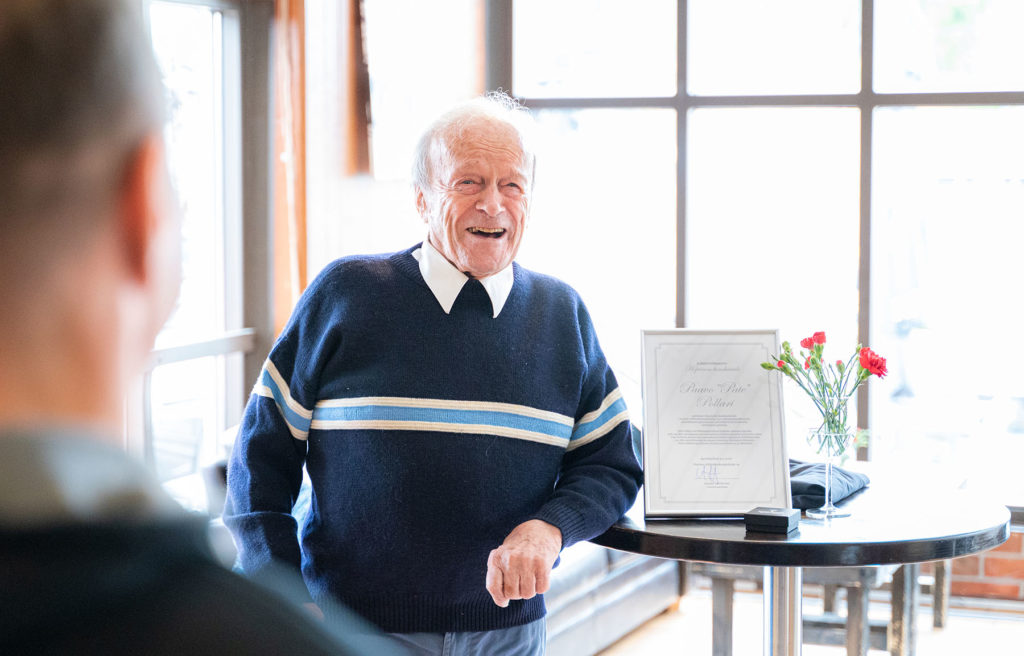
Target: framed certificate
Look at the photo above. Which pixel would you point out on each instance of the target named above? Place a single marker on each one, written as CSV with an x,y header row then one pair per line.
x,y
713,437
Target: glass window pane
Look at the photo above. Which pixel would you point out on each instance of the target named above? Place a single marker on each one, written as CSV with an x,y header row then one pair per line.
x,y
187,399
772,230
191,70
949,45
594,48
946,276
738,47
422,57
184,408
604,220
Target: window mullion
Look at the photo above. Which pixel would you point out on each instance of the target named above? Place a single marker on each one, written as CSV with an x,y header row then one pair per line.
x,y
867,110
498,45
682,111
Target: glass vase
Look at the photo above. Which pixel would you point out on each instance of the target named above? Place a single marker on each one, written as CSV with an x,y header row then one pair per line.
x,y
831,446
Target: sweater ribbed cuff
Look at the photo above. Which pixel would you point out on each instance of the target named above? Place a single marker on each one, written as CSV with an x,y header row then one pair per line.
x,y
569,521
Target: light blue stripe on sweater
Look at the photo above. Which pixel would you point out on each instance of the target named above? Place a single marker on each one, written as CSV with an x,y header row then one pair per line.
x,y
360,414
582,431
295,420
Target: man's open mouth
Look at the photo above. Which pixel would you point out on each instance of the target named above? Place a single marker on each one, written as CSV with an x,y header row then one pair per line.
x,y
494,233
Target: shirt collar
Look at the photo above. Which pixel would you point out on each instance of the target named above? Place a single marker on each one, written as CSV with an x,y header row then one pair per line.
x,y
59,476
445,281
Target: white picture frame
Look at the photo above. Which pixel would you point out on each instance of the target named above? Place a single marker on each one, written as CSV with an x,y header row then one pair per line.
x,y
714,440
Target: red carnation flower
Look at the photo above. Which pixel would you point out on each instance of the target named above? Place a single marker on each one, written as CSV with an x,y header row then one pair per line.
x,y
807,363
781,364
807,343
873,362
818,338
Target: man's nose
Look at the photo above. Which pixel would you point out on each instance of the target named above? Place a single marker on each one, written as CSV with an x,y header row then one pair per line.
x,y
490,201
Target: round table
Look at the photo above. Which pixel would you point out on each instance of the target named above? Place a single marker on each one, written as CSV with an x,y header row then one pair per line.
x,y
889,524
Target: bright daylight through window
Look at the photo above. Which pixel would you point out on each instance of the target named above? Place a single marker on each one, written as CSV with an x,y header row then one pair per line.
x,y
781,189
187,398
741,164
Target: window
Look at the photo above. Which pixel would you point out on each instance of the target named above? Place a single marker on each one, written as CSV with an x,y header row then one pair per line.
x,y
949,206
852,166
603,216
605,186
415,73
563,49
195,386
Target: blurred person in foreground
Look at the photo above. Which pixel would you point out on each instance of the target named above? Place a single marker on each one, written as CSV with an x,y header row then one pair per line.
x,y
456,415
94,557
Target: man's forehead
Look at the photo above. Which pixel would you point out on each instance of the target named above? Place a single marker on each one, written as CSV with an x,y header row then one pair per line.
x,y
474,151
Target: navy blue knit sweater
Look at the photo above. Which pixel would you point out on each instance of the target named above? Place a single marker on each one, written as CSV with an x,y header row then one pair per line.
x,y
427,438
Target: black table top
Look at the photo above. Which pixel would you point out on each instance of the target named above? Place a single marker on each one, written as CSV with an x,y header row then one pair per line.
x,y
887,526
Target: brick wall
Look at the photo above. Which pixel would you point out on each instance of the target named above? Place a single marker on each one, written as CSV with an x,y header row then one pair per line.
x,y
997,573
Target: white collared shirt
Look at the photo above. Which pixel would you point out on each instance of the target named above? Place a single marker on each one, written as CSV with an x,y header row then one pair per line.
x,y
445,281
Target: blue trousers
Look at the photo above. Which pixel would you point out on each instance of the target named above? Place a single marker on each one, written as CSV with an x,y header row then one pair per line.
x,y
526,640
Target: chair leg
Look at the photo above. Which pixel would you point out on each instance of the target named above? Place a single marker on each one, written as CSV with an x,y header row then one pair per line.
x,y
913,573
902,628
858,628
941,592
721,618
829,597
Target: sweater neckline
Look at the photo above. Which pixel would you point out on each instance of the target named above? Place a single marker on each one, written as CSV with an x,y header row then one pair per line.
x,y
405,263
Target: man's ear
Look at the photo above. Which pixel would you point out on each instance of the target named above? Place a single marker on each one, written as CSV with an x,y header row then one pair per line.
x,y
143,205
421,204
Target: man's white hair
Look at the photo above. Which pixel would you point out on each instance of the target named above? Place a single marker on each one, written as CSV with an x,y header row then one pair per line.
x,y
495,106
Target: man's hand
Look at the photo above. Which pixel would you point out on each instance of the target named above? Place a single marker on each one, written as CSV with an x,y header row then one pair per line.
x,y
521,567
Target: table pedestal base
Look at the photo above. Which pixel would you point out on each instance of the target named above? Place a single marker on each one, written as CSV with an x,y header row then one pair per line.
x,y
783,611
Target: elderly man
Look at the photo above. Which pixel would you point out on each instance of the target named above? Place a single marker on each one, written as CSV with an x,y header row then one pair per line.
x,y
454,411
94,557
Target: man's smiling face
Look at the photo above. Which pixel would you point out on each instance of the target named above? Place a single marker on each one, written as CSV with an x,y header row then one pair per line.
x,y
477,205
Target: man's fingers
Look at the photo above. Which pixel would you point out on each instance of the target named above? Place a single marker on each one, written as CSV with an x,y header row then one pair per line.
x,y
495,583
511,577
543,580
527,585
512,574
521,567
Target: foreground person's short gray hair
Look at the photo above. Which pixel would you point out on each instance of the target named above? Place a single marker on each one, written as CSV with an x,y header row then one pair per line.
x,y
495,106
79,90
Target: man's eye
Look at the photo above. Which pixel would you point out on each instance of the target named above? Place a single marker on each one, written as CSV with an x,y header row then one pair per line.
x,y
515,185
466,182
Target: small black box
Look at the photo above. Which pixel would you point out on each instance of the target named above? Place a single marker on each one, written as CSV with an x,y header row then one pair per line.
x,y
772,520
